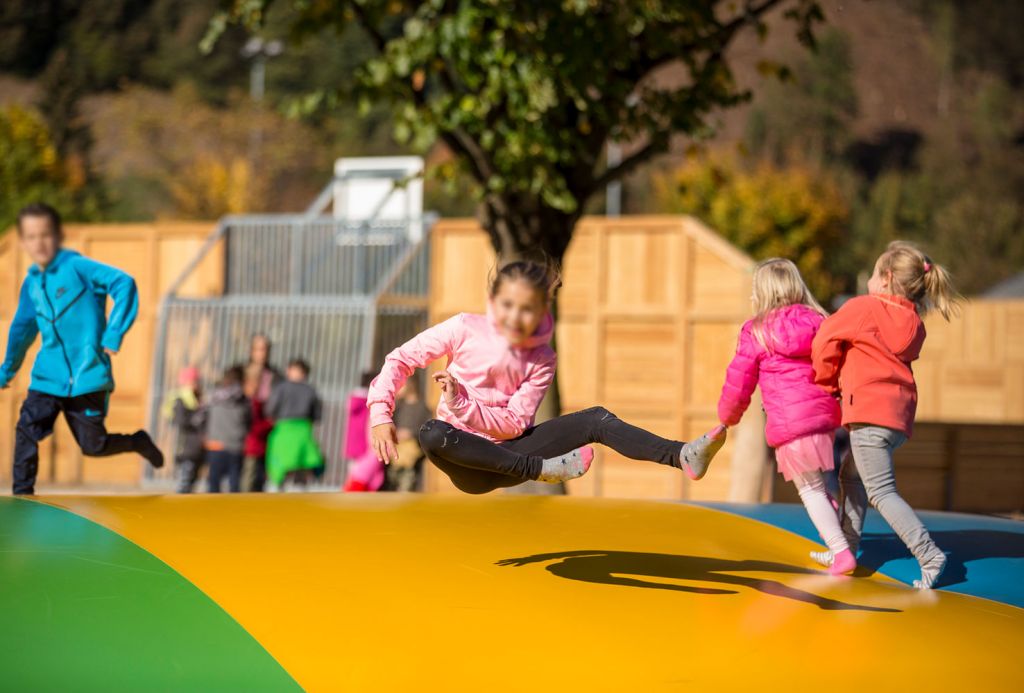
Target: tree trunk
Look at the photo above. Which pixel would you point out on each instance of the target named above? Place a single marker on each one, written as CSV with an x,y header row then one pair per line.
x,y
522,227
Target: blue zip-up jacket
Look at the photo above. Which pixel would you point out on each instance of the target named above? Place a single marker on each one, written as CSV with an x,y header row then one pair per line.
x,y
67,303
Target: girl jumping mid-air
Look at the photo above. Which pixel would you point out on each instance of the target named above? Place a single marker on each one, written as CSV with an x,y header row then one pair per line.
x,y
864,352
499,367
774,352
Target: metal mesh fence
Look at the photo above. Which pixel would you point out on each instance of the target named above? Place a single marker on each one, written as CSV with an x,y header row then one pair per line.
x,y
337,294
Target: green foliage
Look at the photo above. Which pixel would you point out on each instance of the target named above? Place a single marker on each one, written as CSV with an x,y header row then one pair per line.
x,y
797,212
525,95
32,171
82,53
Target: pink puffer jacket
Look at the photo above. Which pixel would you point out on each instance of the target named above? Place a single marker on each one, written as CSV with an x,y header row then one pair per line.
x,y
795,405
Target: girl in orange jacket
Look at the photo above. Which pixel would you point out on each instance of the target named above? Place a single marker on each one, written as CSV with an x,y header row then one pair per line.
x,y
863,355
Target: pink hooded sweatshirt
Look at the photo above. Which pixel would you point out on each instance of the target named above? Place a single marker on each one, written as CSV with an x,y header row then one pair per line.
x,y
500,385
795,405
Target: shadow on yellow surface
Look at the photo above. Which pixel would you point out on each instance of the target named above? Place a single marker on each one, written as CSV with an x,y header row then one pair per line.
x,y
626,567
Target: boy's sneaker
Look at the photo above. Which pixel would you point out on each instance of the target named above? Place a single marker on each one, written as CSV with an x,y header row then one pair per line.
x,y
696,456
145,446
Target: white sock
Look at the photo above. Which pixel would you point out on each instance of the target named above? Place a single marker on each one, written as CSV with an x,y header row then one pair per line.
x,y
931,570
571,465
811,487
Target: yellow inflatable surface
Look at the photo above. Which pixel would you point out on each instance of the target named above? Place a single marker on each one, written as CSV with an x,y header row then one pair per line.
x,y
392,592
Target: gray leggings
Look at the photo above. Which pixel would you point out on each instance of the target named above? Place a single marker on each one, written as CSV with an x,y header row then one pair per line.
x,y
867,476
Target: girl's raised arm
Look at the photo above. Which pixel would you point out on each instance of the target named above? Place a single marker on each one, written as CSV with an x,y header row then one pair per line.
x,y
419,352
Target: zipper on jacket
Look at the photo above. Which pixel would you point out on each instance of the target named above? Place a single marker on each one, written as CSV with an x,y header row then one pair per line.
x,y
53,323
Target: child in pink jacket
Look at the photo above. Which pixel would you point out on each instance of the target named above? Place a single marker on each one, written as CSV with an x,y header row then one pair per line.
x,y
774,351
499,367
365,471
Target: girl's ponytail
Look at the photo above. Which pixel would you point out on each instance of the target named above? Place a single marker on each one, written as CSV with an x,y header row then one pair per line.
x,y
916,277
939,291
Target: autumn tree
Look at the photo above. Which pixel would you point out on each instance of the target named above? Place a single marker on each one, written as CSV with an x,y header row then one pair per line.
x,y
527,95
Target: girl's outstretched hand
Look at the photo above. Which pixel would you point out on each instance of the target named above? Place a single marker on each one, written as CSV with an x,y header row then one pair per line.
x,y
385,442
449,385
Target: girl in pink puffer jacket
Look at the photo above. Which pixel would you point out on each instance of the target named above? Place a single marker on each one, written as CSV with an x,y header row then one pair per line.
x,y
774,351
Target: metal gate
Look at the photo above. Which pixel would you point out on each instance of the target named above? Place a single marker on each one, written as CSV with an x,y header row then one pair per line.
x,y
339,294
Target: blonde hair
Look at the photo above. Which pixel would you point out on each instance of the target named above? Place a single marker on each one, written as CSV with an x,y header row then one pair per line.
x,y
777,283
915,277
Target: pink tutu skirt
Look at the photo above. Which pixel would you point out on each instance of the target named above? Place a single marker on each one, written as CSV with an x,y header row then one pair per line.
x,y
811,453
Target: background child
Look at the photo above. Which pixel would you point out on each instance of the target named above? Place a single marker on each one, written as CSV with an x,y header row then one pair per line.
x,y
189,421
864,352
774,351
228,415
294,407
64,298
260,379
364,471
499,367
410,415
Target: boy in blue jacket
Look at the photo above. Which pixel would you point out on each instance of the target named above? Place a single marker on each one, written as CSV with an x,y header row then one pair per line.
x,y
64,298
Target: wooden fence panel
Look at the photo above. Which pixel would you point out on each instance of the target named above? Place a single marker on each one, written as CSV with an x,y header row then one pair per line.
x,y
972,368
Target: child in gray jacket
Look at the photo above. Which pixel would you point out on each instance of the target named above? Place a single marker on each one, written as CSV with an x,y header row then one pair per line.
x,y
228,415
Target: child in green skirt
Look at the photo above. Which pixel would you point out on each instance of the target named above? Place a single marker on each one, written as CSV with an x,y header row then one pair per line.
x,y
294,406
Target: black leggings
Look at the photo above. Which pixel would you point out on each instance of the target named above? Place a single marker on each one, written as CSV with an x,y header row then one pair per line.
x,y
476,465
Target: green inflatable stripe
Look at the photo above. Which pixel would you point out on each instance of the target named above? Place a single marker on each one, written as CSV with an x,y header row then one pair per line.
x,y
83,609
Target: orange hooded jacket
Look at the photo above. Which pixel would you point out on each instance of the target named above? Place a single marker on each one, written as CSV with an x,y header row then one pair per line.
x,y
864,351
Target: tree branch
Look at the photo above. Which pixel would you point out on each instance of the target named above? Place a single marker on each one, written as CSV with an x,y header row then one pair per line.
x,y
719,38
655,146
364,21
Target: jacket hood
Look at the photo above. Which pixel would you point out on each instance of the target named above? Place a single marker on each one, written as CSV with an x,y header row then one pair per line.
x,y
62,255
899,325
789,331
542,336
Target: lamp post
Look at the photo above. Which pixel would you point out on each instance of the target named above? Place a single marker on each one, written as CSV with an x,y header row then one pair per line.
x,y
257,51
